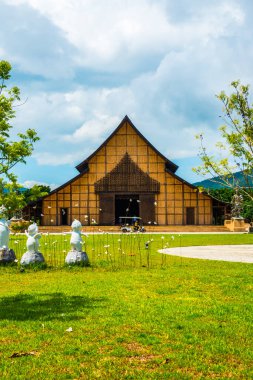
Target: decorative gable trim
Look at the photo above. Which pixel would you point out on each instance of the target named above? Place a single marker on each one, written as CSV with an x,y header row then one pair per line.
x,y
127,177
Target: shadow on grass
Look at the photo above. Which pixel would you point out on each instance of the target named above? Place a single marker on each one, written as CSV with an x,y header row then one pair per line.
x,y
42,306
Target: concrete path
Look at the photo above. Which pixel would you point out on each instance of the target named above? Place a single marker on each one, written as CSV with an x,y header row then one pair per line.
x,y
236,253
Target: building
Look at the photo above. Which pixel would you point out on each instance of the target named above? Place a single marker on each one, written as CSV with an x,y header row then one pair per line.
x,y
127,176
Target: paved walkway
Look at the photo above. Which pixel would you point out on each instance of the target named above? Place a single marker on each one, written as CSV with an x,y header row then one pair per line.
x,y
236,253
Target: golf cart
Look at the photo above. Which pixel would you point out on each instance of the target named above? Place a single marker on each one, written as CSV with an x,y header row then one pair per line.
x,y
131,224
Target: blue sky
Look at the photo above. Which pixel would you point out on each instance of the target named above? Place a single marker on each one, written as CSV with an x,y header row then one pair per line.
x,y
83,65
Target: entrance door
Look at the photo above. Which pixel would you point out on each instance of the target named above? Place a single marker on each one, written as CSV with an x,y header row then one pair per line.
x,y
64,216
190,215
106,204
126,205
147,208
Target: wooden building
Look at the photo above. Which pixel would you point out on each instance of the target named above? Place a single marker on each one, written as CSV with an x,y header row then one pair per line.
x,y
127,176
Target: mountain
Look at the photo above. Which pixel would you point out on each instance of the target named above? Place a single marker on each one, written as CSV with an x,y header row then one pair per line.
x,y
237,177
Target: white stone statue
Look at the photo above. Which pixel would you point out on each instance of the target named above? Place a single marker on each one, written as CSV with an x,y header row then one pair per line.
x,y
76,238
32,255
4,233
6,254
76,255
33,237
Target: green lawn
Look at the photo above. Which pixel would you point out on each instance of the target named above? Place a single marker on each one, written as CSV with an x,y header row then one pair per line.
x,y
172,319
123,250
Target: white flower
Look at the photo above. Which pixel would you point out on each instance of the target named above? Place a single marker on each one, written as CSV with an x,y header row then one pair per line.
x,y
69,329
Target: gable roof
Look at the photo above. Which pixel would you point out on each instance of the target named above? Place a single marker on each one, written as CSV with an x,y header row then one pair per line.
x,y
170,166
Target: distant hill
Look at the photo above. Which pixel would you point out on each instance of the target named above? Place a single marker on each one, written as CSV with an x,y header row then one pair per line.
x,y
210,184
21,189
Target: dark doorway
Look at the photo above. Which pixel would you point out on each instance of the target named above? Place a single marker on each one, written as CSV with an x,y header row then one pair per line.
x,y
190,215
64,216
126,205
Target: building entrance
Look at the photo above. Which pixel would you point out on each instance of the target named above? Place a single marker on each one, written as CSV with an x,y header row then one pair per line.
x,y
126,205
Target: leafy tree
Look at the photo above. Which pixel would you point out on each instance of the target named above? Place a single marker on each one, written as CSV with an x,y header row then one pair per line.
x,y
11,151
12,198
36,192
235,152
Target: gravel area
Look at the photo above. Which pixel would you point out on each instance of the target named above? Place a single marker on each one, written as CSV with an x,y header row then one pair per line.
x,y
236,253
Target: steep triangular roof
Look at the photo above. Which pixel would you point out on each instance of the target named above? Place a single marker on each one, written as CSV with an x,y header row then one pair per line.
x,y
170,166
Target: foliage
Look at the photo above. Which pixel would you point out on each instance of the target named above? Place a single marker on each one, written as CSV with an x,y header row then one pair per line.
x,y
11,197
11,152
36,192
191,320
226,194
19,226
15,199
236,150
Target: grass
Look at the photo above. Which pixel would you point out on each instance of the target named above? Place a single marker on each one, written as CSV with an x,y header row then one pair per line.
x,y
185,319
122,250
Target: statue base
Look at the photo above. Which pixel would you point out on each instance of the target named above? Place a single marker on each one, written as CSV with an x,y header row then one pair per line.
x,y
29,258
7,255
77,257
236,225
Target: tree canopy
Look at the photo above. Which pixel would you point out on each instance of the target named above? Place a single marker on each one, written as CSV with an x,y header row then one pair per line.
x,y
12,151
235,152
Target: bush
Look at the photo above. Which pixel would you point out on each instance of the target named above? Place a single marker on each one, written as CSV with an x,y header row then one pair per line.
x,y
19,226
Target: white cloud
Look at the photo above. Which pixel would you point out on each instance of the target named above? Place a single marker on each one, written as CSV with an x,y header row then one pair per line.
x,y
30,183
84,65
56,159
118,36
92,129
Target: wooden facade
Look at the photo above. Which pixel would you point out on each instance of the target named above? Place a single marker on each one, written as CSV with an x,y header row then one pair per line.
x,y
127,176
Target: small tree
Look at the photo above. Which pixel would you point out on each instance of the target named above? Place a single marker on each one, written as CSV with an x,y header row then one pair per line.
x,y
236,150
11,152
12,198
36,192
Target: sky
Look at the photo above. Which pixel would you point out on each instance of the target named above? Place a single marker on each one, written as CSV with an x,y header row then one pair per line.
x,y
82,65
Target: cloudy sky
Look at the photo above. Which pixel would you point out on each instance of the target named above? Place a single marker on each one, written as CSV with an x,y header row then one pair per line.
x,y
83,65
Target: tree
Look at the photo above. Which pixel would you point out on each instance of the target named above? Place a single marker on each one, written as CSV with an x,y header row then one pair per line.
x,y
236,150
36,192
11,151
12,198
